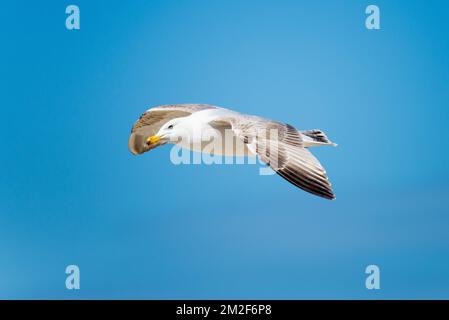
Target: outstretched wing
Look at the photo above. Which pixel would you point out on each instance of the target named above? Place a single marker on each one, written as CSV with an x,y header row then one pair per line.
x,y
281,147
152,120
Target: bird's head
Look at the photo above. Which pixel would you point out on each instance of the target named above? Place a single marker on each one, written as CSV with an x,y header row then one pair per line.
x,y
144,139
171,131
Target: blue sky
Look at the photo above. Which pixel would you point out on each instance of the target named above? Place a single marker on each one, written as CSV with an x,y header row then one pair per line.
x,y
140,227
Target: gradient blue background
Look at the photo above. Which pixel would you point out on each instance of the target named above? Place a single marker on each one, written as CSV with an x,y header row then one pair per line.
x,y
140,227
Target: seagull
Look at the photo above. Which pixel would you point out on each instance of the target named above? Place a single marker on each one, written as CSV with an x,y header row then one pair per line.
x,y
286,152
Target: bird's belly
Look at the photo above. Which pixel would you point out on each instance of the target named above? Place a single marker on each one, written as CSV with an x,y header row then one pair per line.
x,y
217,142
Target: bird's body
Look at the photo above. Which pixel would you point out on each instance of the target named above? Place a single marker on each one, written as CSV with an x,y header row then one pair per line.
x,y
220,131
199,132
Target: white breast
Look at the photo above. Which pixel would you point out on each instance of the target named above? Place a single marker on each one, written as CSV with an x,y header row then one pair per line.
x,y
202,137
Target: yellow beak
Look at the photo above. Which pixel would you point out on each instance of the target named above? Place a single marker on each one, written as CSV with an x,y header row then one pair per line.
x,y
153,139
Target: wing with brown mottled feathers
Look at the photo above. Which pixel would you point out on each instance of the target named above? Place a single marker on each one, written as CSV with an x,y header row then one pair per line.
x,y
281,147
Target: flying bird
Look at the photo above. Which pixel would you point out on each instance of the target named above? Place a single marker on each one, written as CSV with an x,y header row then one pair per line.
x,y
286,152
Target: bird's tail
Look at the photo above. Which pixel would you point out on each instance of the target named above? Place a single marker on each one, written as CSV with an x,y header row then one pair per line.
x,y
315,137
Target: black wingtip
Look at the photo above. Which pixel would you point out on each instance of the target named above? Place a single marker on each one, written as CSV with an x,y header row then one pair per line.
x,y
333,197
328,196
322,191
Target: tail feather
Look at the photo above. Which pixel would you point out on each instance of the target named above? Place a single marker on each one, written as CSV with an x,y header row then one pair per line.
x,y
315,137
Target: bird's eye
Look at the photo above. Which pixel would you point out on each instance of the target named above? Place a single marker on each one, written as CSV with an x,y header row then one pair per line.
x,y
170,127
